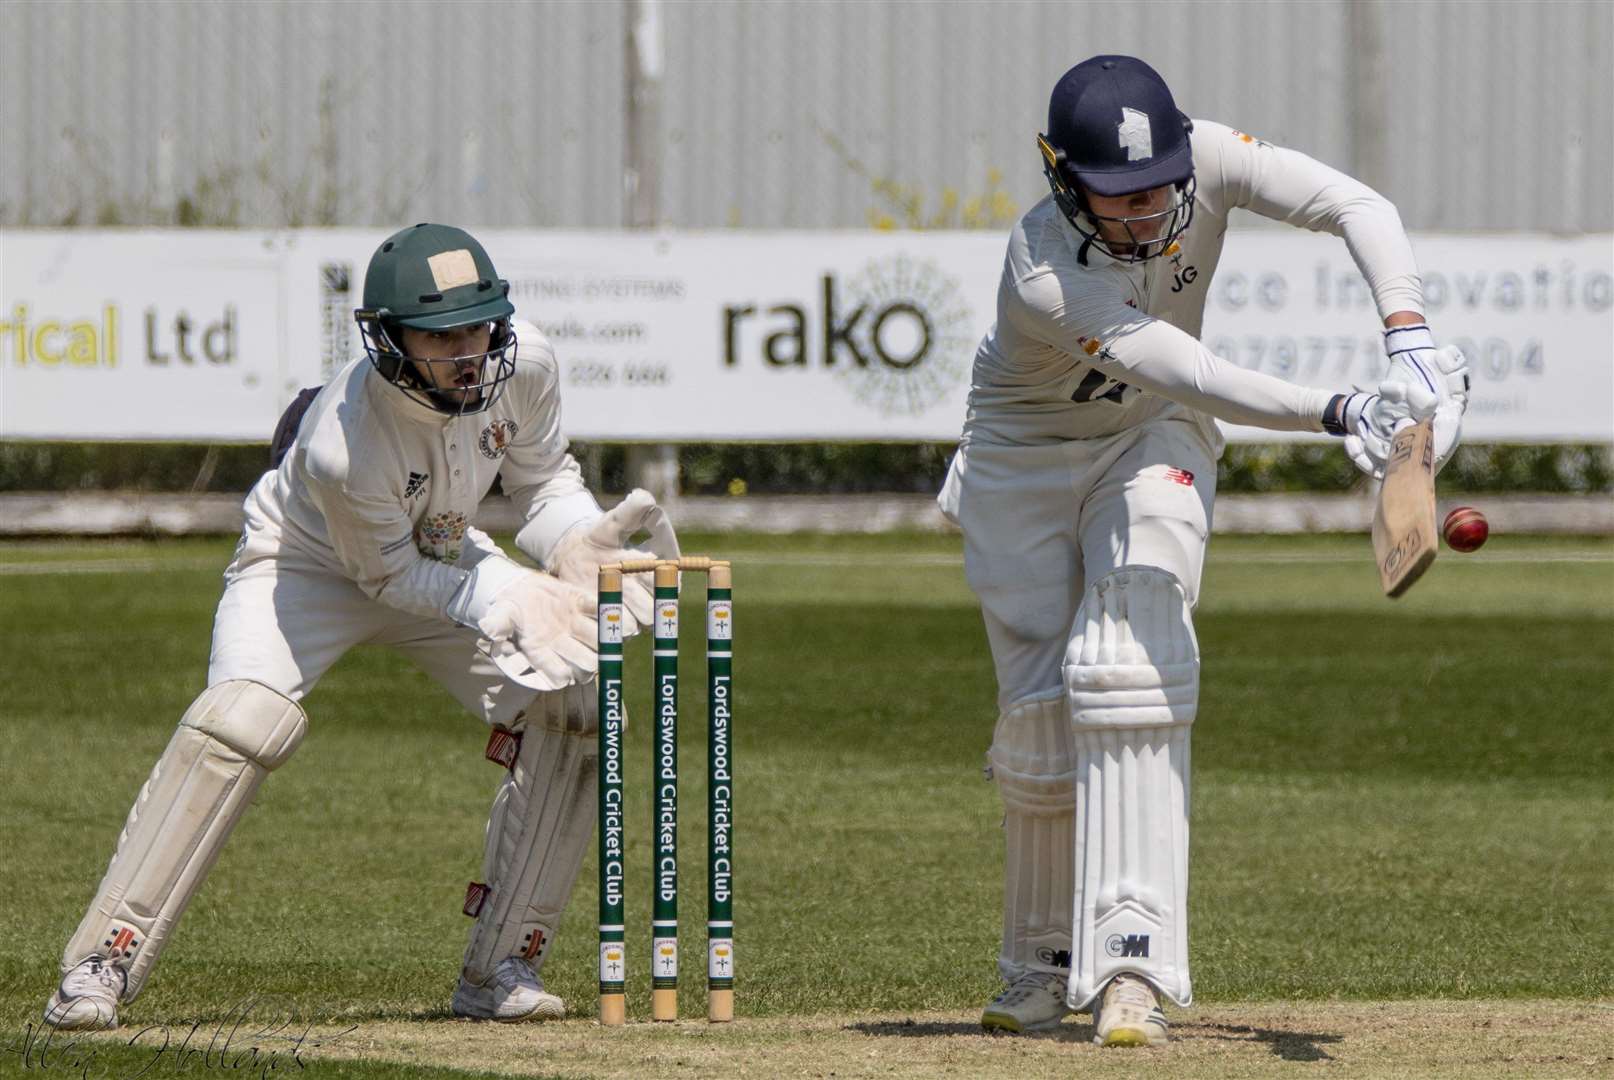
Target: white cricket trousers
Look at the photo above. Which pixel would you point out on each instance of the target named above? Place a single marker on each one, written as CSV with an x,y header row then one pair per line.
x,y
285,625
1041,521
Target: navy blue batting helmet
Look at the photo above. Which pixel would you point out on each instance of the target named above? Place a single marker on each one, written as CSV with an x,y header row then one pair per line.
x,y
1114,129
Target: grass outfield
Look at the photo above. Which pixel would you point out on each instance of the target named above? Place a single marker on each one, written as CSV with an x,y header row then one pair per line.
x,y
1393,801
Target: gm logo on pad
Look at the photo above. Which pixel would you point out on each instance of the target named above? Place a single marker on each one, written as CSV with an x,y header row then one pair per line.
x,y
1127,945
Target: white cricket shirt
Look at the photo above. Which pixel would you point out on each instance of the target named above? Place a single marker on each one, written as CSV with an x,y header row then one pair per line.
x,y
383,490
1081,351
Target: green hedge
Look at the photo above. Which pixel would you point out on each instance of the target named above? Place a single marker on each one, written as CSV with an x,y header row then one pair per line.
x,y
799,468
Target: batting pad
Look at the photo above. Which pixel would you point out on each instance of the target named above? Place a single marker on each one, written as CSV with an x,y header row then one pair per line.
x,y
231,737
1035,768
540,826
1132,684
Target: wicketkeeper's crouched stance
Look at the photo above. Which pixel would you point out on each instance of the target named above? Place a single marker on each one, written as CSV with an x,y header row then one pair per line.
x,y
362,534
1084,483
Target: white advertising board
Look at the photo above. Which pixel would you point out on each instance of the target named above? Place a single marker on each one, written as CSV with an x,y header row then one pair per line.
x,y
1534,314
741,336
790,336
139,335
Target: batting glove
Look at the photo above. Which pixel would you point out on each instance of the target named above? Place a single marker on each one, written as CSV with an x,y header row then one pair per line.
x,y
1431,378
1415,387
1428,372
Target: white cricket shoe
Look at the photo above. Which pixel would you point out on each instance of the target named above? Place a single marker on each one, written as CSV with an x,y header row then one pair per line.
x,y
1033,1002
513,992
1128,1013
87,997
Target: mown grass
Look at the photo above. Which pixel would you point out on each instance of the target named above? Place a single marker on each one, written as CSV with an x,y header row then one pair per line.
x,y
1391,800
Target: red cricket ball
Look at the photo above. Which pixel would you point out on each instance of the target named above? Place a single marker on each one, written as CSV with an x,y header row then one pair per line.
x,y
1465,529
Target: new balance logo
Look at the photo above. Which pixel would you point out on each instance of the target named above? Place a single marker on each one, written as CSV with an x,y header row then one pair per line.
x,y
417,483
1127,945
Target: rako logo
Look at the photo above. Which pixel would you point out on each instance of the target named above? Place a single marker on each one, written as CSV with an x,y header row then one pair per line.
x,y
901,338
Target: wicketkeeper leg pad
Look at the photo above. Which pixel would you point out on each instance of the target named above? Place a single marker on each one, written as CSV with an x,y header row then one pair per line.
x,y
1035,768
232,736
540,826
1132,684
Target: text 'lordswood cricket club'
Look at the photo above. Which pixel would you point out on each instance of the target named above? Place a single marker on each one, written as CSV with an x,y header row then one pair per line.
x,y
612,825
722,791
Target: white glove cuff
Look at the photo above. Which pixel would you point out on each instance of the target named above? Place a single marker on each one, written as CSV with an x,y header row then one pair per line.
x,y
475,595
1345,412
555,518
1404,344
1400,339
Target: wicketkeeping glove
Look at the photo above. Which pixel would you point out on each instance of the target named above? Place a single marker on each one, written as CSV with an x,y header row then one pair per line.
x,y
589,545
540,631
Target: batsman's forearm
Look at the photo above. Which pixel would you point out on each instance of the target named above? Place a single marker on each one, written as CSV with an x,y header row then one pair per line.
x,y
1164,360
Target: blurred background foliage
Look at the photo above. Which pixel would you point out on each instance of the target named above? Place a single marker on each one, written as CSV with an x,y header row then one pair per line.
x,y
804,468
902,205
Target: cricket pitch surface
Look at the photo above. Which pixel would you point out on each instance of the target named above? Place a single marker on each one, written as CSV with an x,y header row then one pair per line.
x,y
1380,1039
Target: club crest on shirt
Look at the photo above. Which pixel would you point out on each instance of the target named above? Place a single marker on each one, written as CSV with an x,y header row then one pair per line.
x,y
496,438
440,536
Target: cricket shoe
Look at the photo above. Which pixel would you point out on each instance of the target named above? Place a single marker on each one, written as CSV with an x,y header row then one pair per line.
x,y
1033,1002
513,992
88,996
1128,1014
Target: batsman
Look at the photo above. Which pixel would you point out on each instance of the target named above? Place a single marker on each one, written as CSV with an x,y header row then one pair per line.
x,y
1084,483
363,534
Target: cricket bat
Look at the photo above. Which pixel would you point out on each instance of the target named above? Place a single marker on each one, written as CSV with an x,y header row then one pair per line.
x,y
1404,538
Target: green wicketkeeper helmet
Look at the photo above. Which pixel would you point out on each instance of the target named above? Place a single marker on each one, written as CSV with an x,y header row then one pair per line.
x,y
436,277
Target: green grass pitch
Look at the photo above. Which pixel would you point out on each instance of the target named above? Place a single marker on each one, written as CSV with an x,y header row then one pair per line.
x,y
1406,799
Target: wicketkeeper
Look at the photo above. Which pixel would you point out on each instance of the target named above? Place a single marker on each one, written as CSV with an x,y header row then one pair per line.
x,y
1084,483
363,534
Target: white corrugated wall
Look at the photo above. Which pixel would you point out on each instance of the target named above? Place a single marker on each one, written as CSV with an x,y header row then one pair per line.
x,y
1471,116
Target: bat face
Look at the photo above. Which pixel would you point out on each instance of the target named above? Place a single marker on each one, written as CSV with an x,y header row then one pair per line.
x,y
1404,537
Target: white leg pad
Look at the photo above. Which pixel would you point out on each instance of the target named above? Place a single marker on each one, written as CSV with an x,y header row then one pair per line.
x,y
231,737
1035,769
539,828
1132,682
